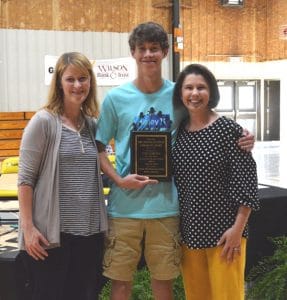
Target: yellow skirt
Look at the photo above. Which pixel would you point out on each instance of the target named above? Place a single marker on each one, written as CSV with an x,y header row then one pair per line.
x,y
206,276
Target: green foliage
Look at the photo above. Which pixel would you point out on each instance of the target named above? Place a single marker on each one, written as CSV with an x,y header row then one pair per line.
x,y
142,288
105,294
178,289
268,280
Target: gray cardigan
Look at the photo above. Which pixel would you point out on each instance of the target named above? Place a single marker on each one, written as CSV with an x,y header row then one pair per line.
x,y
39,168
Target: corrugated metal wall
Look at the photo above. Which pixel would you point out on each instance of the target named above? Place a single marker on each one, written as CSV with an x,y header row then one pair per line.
x,y
22,53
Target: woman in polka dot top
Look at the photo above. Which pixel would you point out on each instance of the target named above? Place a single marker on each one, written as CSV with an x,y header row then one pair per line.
x,y
217,188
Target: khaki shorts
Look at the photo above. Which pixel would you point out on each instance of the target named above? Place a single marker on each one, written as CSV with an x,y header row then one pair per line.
x,y
162,248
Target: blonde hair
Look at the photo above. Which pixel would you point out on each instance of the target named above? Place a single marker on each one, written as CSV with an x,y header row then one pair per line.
x,y
55,102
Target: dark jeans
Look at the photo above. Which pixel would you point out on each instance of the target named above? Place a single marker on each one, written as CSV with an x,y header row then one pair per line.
x,y
70,272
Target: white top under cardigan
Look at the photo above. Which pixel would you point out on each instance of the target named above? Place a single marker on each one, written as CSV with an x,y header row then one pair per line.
x,y
39,168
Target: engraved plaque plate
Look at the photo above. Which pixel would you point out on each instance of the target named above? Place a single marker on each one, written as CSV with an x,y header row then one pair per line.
x,y
151,154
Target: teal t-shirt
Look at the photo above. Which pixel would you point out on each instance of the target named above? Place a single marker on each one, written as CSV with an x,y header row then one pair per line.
x,y
120,111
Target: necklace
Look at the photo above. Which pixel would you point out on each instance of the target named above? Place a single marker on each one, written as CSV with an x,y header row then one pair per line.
x,y
75,124
79,123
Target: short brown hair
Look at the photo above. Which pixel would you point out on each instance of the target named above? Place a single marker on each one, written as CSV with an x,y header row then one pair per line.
x,y
148,32
197,69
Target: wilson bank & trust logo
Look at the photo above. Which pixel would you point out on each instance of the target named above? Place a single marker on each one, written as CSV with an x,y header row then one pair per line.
x,y
114,71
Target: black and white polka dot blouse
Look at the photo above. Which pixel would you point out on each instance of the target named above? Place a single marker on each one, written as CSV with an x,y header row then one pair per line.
x,y
213,177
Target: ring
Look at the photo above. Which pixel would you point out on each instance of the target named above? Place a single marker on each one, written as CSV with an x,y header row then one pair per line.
x,y
236,249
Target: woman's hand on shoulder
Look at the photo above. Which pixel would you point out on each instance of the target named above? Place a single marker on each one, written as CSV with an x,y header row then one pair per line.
x,y
34,242
247,141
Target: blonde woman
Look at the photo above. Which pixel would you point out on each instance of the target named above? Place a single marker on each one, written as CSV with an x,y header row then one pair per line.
x,y
62,210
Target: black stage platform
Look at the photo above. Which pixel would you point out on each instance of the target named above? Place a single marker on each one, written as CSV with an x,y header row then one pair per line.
x,y
269,221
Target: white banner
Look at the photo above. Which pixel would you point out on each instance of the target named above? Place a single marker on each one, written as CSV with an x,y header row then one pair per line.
x,y
108,72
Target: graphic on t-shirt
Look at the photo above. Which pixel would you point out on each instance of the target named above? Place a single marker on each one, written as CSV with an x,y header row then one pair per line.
x,y
152,121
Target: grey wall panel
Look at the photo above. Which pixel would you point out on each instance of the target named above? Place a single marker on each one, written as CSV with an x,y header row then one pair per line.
x,y
22,53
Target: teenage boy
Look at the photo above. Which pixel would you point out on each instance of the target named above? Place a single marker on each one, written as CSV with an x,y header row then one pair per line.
x,y
141,210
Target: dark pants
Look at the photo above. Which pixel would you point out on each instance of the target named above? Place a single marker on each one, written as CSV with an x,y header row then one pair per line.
x,y
70,272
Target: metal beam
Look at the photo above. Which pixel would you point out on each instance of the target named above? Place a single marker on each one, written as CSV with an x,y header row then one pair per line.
x,y
175,24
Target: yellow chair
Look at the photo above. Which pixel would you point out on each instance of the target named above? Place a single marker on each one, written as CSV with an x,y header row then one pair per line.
x,y
10,165
112,159
106,191
9,176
